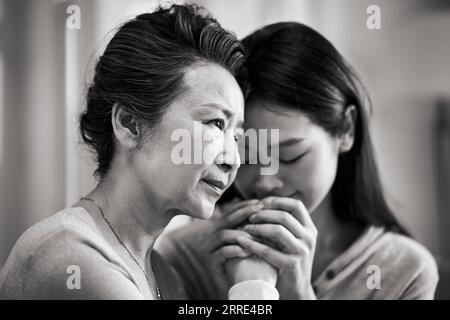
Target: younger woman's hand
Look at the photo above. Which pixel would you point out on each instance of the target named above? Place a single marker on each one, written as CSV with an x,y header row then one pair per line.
x,y
286,223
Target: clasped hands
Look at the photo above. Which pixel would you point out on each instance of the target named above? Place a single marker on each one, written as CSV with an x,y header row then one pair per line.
x,y
272,239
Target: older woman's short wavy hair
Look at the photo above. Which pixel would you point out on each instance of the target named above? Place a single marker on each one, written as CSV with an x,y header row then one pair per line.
x,y
143,65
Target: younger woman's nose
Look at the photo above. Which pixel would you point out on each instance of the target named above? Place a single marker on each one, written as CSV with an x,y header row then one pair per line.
x,y
268,185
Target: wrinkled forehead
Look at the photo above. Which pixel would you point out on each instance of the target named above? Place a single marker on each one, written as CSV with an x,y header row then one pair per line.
x,y
210,83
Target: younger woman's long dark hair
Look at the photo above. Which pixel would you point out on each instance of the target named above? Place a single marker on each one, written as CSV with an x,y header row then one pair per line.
x,y
294,66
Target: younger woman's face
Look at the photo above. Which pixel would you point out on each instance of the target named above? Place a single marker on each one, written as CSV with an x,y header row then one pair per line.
x,y
308,157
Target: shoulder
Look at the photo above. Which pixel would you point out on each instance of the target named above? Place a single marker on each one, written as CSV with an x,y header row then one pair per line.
x,y
63,230
407,262
61,257
408,252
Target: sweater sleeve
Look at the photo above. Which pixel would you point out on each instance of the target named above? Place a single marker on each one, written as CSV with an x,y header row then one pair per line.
x,y
424,283
253,290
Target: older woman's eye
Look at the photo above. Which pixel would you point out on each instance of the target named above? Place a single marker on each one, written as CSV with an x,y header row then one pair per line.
x,y
219,123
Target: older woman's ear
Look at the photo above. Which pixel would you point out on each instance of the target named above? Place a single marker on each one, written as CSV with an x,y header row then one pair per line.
x,y
125,126
348,136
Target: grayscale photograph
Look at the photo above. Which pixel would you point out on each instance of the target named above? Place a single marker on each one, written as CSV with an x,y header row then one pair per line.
x,y
225,150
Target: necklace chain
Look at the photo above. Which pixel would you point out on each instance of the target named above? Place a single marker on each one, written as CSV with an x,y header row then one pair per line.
x,y
156,294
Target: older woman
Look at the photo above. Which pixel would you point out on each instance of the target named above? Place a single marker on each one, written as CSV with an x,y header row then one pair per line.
x,y
172,69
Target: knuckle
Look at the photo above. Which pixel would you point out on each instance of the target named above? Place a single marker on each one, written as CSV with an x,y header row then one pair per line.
x,y
232,250
310,241
315,232
221,251
298,204
238,233
269,199
265,251
285,218
292,263
251,228
221,236
303,249
278,230
228,250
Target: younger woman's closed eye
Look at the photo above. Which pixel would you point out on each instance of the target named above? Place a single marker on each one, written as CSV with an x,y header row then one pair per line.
x,y
294,159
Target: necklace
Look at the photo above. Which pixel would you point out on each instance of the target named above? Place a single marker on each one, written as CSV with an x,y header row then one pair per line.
x,y
156,294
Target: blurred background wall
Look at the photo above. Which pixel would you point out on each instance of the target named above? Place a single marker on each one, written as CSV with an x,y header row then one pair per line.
x,y
45,67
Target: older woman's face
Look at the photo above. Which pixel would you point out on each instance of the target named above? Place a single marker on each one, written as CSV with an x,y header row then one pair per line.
x,y
193,157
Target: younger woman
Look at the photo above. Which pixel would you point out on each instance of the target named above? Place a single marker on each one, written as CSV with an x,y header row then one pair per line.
x,y
325,226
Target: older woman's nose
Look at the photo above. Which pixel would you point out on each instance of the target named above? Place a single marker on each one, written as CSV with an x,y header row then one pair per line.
x,y
268,185
228,164
229,160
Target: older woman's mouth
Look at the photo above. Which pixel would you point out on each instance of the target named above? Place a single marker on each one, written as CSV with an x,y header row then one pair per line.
x,y
215,184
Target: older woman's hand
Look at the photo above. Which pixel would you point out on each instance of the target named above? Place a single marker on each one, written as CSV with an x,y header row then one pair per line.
x,y
287,223
219,242
239,264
